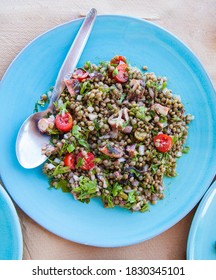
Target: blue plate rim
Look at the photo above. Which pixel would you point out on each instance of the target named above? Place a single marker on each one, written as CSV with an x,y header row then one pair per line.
x,y
195,222
207,79
16,222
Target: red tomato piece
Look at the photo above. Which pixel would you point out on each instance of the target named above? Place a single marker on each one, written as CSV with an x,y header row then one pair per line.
x,y
69,161
85,160
122,74
163,142
117,59
64,122
80,74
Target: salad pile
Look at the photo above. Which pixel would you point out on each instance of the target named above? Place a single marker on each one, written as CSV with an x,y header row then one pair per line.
x,y
115,133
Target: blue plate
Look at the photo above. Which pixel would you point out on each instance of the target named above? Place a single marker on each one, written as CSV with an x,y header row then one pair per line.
x,y
202,237
143,43
11,245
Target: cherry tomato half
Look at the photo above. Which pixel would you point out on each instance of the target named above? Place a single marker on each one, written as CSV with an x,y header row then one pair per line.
x,y
69,161
163,142
64,122
80,74
85,161
122,74
116,59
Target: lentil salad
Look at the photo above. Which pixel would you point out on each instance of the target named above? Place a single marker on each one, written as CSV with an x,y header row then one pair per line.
x,y
115,133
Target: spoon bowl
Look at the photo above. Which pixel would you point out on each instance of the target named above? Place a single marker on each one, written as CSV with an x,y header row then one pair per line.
x,y
29,139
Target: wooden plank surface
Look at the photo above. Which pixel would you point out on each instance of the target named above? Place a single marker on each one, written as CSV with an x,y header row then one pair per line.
x,y
194,22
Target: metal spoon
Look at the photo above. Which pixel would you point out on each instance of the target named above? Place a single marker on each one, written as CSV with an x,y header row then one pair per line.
x,y
29,139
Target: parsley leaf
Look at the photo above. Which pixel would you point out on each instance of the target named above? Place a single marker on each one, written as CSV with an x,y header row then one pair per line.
x,y
96,124
71,147
131,197
122,98
116,189
144,208
63,107
76,132
87,189
185,150
83,143
80,162
110,201
60,170
163,119
85,87
154,167
63,184
115,72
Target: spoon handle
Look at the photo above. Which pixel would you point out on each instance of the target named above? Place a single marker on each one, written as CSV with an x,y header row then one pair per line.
x,y
74,54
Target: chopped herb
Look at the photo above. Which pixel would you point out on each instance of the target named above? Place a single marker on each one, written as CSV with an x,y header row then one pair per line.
x,y
80,162
151,84
80,138
122,98
52,161
166,156
89,104
53,131
97,160
63,184
174,139
156,85
63,149
124,124
109,147
164,85
83,143
55,104
154,132
176,119
41,102
152,189
88,66
163,119
154,167
70,148
116,189
123,195
85,87
60,170
131,197
110,107
104,89
144,208
140,113
54,138
76,132
104,64
147,118
87,189
109,200
115,72
96,124
103,157
185,150
160,156
63,107
135,172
